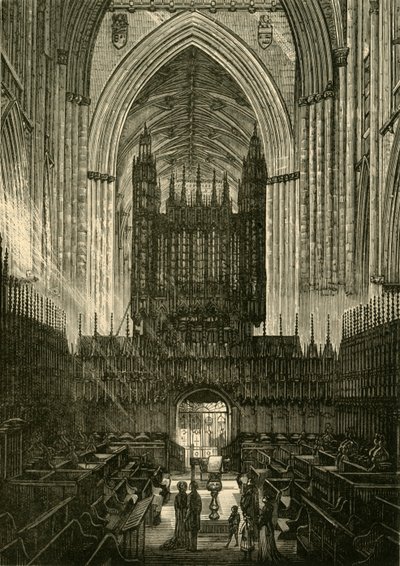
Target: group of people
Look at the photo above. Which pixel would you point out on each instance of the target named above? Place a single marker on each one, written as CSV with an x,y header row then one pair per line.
x,y
257,525
187,518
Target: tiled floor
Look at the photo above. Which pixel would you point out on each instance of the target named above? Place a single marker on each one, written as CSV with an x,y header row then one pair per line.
x,y
211,551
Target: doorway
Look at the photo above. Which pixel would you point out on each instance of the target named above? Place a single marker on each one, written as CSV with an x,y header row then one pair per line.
x,y
202,424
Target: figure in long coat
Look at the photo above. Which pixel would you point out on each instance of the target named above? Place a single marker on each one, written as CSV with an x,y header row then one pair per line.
x,y
267,551
249,502
180,538
193,516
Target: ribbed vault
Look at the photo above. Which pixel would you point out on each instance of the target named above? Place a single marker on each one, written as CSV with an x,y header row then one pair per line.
x,y
197,115
171,39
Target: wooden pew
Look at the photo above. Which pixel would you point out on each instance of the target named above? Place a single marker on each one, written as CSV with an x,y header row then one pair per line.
x,y
324,538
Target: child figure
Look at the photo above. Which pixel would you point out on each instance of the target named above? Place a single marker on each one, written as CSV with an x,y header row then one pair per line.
x,y
247,532
233,522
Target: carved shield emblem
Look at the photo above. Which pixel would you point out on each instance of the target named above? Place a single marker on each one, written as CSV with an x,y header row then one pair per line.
x,y
265,32
119,30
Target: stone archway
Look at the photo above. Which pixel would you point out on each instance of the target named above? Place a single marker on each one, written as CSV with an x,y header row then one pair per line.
x,y
153,52
205,420
391,214
162,45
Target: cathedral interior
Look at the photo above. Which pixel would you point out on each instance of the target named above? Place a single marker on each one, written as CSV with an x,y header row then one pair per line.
x,y
199,280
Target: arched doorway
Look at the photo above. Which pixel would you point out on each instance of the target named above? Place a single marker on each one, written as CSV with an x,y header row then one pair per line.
x,y
203,423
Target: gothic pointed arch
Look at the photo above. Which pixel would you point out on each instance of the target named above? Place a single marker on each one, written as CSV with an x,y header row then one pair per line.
x,y
362,230
391,224
14,193
181,31
313,44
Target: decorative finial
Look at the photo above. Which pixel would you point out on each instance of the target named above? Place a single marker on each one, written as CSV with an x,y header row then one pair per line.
x,y
280,325
199,199
214,200
183,192
381,310
95,325
111,324
225,191
328,329
296,325
127,325
387,307
172,188
312,329
5,270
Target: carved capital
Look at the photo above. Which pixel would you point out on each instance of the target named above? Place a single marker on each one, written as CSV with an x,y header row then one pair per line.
x,y
311,98
62,56
111,179
69,96
85,101
103,176
329,91
377,279
340,56
374,7
283,178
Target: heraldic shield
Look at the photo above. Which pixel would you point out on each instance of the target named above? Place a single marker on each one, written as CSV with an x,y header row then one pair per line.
x,y
265,32
119,30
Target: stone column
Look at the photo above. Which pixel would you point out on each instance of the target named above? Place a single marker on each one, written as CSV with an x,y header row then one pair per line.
x,y
292,227
328,182
101,296
340,59
304,197
67,185
312,194
269,221
276,249
350,140
74,181
97,241
282,243
374,261
82,196
320,190
59,152
109,297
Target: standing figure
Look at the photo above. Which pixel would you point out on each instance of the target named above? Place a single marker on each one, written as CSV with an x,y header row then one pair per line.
x,y
267,551
193,512
249,501
165,486
180,538
233,523
247,541
157,504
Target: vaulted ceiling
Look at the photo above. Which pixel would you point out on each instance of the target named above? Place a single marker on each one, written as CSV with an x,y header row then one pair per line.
x,y
197,115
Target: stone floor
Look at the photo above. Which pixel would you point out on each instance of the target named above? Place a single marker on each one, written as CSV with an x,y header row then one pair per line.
x,y
211,551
